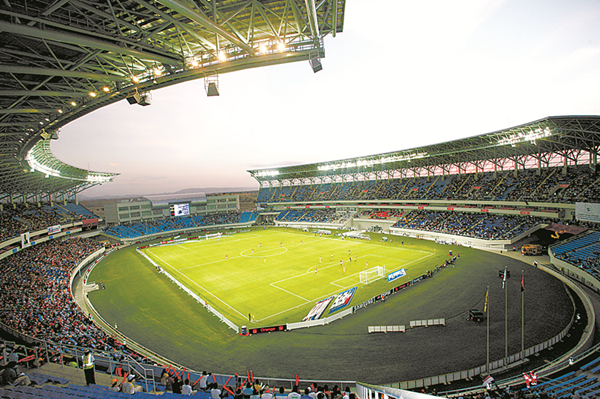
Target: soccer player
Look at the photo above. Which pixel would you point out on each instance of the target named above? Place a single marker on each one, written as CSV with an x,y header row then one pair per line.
x,y
320,260
355,257
226,256
315,270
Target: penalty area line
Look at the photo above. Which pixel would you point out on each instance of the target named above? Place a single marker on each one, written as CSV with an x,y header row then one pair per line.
x,y
288,292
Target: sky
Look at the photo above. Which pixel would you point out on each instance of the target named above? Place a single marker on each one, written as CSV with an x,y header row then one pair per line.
x,y
402,74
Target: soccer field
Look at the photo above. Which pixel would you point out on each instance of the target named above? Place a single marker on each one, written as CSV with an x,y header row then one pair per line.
x,y
152,311
277,275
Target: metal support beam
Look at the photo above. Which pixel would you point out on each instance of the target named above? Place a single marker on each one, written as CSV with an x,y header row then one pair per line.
x,y
207,23
60,72
313,21
85,41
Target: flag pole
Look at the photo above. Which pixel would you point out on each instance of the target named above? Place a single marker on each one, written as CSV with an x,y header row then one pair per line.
x,y
487,316
505,286
522,314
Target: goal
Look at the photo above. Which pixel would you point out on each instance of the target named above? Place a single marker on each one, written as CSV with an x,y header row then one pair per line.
x,y
372,274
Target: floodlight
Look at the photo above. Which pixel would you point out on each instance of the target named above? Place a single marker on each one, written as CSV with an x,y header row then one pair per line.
x,y
73,103
222,56
281,46
263,48
106,89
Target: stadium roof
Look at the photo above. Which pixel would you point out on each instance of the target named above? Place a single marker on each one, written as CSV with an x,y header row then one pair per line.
x,y
541,140
62,59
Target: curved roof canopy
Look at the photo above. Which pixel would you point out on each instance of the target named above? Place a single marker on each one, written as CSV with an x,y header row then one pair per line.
x,y
62,59
541,141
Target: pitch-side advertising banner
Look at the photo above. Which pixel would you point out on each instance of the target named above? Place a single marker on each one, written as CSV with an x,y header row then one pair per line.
x,y
396,275
318,309
343,299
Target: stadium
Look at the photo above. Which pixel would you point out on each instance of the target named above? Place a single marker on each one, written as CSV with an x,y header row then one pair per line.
x,y
447,269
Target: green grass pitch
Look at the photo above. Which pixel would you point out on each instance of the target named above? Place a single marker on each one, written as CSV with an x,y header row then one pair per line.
x,y
278,275
154,312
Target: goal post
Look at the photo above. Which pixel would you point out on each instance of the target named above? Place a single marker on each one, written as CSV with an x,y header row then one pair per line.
x,y
372,274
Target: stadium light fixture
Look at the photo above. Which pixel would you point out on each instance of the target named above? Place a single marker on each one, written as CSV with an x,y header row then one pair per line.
x,y
281,47
222,56
135,79
73,103
60,111
522,136
371,162
92,94
267,173
105,89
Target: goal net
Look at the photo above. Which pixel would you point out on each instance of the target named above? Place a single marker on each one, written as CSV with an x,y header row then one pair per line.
x,y
372,274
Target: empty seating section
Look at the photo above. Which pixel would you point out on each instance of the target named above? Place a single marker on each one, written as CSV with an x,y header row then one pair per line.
x,y
539,185
176,223
248,217
314,216
583,252
582,382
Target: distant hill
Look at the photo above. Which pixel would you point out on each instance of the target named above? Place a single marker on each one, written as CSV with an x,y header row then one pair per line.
x,y
209,190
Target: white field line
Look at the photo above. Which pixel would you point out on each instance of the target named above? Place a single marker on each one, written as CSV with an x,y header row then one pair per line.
x,y
309,270
288,292
334,282
256,254
195,283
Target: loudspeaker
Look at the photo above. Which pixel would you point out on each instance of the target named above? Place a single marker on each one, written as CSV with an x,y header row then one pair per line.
x,y
212,89
145,99
316,65
134,99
